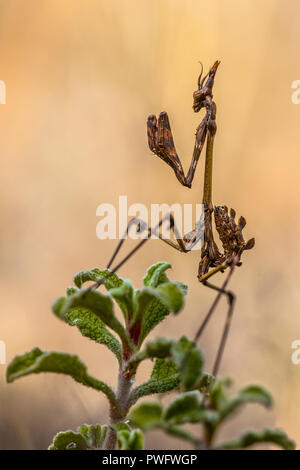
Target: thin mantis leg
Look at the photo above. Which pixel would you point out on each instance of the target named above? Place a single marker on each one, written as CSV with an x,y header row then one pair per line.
x,y
170,243
134,221
141,227
201,134
231,301
213,271
179,244
216,301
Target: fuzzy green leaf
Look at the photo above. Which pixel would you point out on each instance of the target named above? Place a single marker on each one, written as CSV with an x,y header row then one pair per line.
x,y
159,348
87,436
168,297
250,394
171,295
183,434
182,286
37,361
96,275
192,370
205,383
93,434
149,416
68,440
155,304
89,325
70,290
99,304
249,438
130,440
163,369
156,275
120,427
164,378
190,361
256,394
146,416
180,349
123,295
188,408
218,395
155,314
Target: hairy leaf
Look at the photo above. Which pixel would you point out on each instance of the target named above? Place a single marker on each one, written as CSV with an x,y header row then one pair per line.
x,y
191,373
123,293
180,433
168,295
130,440
120,427
94,434
250,394
166,298
89,325
99,304
149,415
87,436
159,348
190,361
180,349
146,416
249,438
156,275
71,290
188,408
218,395
164,378
205,383
68,440
256,394
96,275
37,361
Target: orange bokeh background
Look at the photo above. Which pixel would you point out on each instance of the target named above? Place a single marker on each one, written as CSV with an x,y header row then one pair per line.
x,y
81,78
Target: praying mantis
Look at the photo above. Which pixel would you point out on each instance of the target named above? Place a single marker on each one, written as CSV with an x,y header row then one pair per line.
x,y
161,143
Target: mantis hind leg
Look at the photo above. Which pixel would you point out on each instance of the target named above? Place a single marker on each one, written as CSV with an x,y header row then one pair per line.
x,y
141,227
231,302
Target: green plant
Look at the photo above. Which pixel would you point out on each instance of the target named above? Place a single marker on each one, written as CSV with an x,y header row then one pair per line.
x,y
178,366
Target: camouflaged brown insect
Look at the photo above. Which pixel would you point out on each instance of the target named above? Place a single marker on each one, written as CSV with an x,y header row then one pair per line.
x,y
230,233
161,143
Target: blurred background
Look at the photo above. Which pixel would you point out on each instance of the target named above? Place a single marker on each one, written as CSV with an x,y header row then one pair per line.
x,y
81,78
